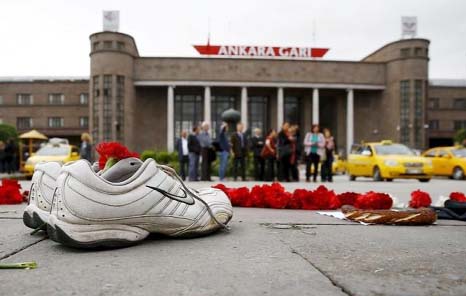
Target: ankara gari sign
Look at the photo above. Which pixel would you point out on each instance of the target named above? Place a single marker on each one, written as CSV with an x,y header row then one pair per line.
x,y
261,51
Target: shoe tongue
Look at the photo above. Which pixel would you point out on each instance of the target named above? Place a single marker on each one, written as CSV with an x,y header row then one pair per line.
x,y
121,170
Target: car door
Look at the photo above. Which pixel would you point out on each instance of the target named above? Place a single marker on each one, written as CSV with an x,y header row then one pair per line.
x,y
442,160
354,161
432,155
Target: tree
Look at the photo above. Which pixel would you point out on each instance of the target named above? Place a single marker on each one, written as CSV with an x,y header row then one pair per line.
x,y
460,136
7,132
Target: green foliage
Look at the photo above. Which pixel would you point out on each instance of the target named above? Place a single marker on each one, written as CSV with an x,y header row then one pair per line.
x,y
7,132
162,157
229,173
460,136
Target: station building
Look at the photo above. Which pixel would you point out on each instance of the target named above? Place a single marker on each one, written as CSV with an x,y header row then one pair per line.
x,y
145,102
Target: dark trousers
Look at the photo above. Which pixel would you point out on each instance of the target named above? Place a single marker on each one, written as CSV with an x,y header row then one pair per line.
x,y
270,169
284,168
184,166
326,173
259,168
312,159
294,171
205,166
239,162
193,166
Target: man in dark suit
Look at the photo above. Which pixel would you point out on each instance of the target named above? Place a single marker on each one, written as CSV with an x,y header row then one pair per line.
x,y
194,148
239,147
183,153
257,144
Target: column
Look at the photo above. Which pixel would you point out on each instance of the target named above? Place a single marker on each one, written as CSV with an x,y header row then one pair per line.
x,y
170,118
207,105
315,106
244,107
280,104
349,120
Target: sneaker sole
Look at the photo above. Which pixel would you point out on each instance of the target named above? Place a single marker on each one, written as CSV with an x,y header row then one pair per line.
x,y
94,236
34,220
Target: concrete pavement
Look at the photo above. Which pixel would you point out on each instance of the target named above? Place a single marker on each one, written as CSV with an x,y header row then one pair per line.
x,y
267,252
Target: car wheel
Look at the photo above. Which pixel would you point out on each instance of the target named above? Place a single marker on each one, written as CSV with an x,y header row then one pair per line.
x,y
389,179
352,178
458,173
376,174
424,180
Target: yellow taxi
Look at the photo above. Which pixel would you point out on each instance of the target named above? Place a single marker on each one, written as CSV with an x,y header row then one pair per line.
x,y
386,160
57,150
448,161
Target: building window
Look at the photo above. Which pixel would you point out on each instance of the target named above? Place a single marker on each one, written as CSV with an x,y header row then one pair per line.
x,y
107,106
459,103
56,122
418,114
24,99
218,105
434,124
95,46
188,112
459,124
257,113
1,100
405,52
84,121
120,45
291,109
95,107
84,98
23,122
56,99
108,44
120,108
404,111
418,51
434,103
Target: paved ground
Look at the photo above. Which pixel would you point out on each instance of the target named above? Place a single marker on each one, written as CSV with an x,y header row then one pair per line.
x,y
267,252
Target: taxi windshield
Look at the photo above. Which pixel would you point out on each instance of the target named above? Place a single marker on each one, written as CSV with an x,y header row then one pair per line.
x,y
459,152
51,150
393,149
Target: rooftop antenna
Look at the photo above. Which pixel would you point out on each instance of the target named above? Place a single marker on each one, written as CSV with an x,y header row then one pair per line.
x,y
314,31
208,31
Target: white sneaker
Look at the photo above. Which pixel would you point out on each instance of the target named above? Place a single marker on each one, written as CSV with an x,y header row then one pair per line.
x,y
90,211
43,184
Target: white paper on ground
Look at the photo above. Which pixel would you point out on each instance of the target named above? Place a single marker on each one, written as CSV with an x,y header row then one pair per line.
x,y
338,215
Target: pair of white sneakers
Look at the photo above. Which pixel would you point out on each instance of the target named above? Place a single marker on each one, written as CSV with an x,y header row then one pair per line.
x,y
120,206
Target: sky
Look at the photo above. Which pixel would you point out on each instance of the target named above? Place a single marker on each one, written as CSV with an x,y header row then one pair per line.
x,y
51,37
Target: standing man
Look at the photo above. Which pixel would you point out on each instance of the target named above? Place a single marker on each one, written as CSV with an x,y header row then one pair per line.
x,y
183,153
194,148
240,151
206,148
257,144
224,150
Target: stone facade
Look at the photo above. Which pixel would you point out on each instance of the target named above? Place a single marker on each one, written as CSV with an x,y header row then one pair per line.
x,y
64,99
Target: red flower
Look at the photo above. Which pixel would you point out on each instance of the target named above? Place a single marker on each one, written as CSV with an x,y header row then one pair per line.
x,y
420,199
239,196
374,201
9,192
458,196
348,198
257,197
275,196
114,151
295,200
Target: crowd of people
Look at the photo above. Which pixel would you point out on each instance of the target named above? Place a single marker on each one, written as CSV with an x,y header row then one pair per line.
x,y
8,155
275,156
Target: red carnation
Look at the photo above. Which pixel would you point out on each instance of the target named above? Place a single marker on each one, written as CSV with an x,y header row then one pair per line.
x,y
295,200
420,199
374,201
308,199
9,192
275,196
239,196
325,199
112,152
347,198
257,197
458,196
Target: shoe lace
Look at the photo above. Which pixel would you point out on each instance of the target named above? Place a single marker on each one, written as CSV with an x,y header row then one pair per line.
x,y
172,173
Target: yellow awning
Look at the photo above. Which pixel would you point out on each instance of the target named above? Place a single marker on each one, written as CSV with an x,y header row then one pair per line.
x,y
33,134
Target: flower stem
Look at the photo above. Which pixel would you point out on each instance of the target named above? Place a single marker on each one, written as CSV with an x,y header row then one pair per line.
x,y
21,265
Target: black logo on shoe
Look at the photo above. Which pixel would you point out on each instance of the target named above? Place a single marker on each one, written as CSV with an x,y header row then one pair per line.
x,y
185,198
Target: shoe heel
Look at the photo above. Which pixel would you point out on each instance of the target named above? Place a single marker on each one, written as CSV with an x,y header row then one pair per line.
x,y
94,236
